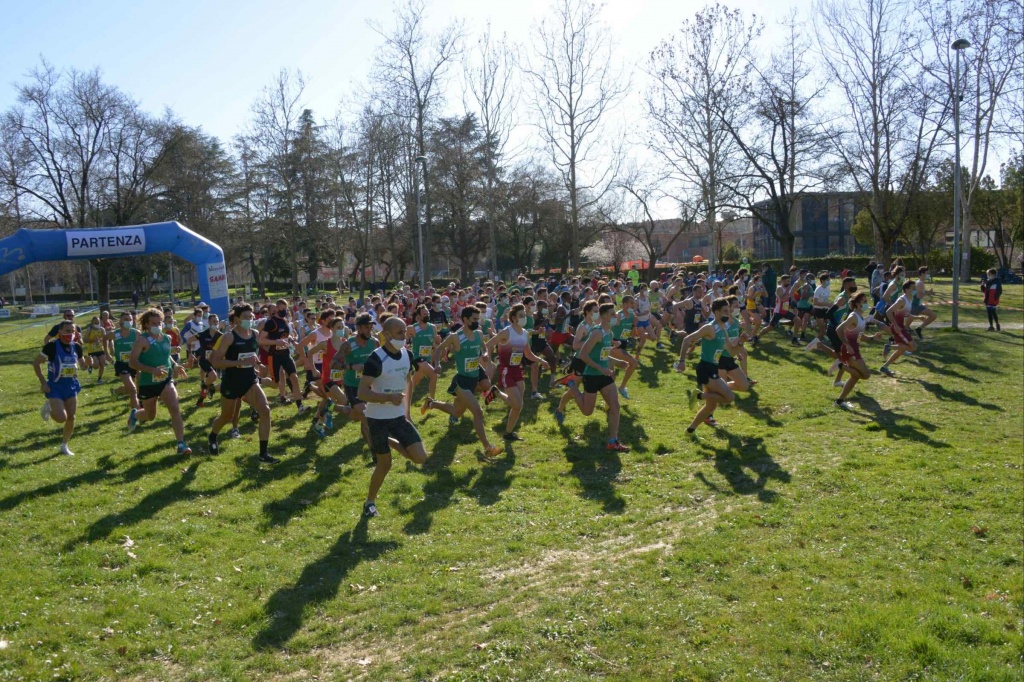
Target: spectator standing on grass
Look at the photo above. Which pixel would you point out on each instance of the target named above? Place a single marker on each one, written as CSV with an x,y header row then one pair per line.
x,y
993,289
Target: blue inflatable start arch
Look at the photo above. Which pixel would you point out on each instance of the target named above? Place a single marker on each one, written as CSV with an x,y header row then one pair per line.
x,y
29,246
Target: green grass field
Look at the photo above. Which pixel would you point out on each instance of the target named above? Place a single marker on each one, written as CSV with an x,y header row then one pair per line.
x,y
796,542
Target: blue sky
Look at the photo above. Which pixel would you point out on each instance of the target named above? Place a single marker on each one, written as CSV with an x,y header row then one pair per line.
x,y
209,60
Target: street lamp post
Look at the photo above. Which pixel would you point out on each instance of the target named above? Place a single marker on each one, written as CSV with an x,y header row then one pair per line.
x,y
422,160
957,46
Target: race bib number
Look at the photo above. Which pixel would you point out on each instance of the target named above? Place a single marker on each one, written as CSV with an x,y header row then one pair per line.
x,y
718,354
337,374
515,359
123,357
210,352
246,356
68,371
473,365
606,351
425,352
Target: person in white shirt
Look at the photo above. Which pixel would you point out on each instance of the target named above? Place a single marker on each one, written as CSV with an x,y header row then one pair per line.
x,y
382,387
820,303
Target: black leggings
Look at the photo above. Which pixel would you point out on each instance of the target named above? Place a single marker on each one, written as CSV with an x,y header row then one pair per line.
x,y
993,318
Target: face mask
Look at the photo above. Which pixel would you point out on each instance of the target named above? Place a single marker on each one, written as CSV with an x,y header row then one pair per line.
x,y
521,320
339,333
397,344
865,308
167,325
155,331
474,325
246,324
282,313
724,320
127,324
66,338
595,317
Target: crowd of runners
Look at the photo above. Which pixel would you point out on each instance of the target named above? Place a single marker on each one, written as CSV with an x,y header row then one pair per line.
x,y
362,361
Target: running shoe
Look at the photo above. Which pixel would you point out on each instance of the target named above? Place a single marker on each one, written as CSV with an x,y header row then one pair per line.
x,y
302,409
100,382
710,421
493,451
795,341
267,459
834,368
370,510
838,383
752,382
754,341
214,446
65,450
329,420
132,419
624,393
425,407
44,411
453,420
490,395
90,369
887,372
202,399
815,342
918,330
616,446
991,329
511,437
254,415
183,449
234,433
560,417
213,390
319,430
907,354
660,346
886,349
843,405
564,381
537,395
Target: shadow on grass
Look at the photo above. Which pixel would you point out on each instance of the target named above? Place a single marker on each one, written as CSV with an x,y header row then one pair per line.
x,y
439,488
596,468
735,457
495,478
959,397
329,471
105,466
318,582
750,403
148,507
898,425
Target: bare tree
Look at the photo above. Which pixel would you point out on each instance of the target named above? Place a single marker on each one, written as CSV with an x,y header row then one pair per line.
x,y
783,139
891,122
576,85
701,82
489,77
637,224
412,66
991,68
271,136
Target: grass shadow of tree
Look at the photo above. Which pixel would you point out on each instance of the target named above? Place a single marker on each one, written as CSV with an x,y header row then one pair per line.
x,y
495,478
739,454
318,582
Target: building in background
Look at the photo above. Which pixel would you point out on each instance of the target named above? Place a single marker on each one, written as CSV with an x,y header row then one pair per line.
x,y
822,224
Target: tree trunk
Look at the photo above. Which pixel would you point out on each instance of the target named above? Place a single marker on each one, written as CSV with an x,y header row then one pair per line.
x,y
103,283
787,243
256,275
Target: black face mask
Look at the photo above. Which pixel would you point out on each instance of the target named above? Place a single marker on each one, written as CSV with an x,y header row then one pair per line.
x,y
282,313
474,325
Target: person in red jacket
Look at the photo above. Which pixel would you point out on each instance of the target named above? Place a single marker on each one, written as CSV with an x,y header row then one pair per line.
x,y
993,289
